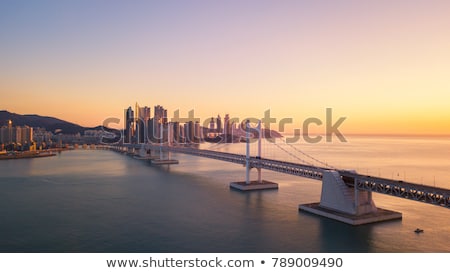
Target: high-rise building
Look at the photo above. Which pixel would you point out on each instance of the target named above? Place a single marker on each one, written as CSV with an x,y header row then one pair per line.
x,y
128,125
42,137
182,133
141,123
219,124
159,117
170,133
160,114
144,113
197,132
10,131
211,130
189,131
3,134
20,135
176,136
212,124
227,126
6,133
24,135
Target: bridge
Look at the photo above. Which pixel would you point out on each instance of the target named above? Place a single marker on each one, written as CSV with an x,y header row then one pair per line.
x,y
346,195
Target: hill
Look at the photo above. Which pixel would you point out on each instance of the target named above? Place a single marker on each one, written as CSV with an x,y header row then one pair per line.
x,y
51,124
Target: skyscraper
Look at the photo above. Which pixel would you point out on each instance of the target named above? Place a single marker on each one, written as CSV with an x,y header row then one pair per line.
x,y
176,136
189,129
219,124
141,120
144,113
19,135
197,132
227,125
10,131
128,125
24,135
159,117
7,134
211,130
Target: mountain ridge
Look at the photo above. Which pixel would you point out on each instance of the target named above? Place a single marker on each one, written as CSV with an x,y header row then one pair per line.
x,y
50,124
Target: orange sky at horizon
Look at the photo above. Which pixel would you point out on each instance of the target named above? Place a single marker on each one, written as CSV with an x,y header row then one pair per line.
x,y
384,66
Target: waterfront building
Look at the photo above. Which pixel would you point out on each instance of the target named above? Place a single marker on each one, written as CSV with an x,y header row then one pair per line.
x,y
42,137
24,135
197,132
176,136
18,136
7,134
212,131
159,117
228,125
129,125
141,123
219,124
189,131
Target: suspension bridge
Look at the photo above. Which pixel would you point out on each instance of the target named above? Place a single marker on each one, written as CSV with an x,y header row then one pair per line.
x,y
346,195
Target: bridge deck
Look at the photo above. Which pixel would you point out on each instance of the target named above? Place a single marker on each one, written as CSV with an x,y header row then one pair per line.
x,y
407,190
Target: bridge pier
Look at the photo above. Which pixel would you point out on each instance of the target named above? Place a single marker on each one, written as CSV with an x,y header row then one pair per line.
x,y
160,160
352,206
259,184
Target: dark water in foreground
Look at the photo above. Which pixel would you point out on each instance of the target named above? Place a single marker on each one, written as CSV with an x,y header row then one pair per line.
x,y
101,201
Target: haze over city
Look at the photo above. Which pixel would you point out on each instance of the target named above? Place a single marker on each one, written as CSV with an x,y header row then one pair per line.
x,y
383,65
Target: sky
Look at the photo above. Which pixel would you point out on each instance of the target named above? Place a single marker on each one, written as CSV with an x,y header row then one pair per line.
x,y
383,65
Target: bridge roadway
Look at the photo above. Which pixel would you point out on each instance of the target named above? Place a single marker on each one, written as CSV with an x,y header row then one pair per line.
x,y
407,190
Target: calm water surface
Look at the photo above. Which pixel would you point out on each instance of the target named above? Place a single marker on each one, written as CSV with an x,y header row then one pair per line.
x,y
101,201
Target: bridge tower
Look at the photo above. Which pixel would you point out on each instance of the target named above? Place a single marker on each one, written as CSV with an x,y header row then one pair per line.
x,y
340,202
259,184
164,161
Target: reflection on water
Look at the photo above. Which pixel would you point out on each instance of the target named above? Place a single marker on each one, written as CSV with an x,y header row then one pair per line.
x,y
76,163
349,238
101,201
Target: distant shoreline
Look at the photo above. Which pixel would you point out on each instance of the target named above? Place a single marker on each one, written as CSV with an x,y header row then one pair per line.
x,y
21,155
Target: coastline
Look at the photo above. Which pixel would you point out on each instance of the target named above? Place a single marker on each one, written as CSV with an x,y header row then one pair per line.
x,y
21,155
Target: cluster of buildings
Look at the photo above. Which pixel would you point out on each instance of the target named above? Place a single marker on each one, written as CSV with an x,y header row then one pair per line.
x,y
26,138
141,127
16,138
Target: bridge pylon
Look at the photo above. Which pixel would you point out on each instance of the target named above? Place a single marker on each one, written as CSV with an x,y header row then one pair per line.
x,y
347,204
259,184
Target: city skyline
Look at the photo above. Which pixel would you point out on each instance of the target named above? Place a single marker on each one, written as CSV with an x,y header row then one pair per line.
x,y
381,65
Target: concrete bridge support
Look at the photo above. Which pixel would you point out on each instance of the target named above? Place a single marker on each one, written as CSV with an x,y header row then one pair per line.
x,y
142,152
346,204
258,184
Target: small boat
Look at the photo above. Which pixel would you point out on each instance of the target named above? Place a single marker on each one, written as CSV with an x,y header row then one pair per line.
x,y
418,230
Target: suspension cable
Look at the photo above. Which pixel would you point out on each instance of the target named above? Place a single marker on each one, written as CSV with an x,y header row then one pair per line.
x,y
309,156
291,154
